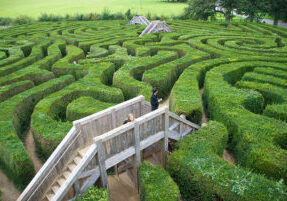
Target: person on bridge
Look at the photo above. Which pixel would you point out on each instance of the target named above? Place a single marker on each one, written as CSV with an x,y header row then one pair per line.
x,y
129,119
154,100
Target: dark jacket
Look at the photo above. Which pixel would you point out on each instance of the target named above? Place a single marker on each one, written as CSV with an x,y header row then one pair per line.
x,y
154,102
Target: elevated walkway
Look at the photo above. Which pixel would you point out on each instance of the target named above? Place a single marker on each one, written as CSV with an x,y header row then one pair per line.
x,y
99,142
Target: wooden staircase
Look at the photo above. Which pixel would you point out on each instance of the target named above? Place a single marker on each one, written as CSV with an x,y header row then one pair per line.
x,y
99,142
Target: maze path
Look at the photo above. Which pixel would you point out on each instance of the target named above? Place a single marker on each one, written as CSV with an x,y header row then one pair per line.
x,y
241,67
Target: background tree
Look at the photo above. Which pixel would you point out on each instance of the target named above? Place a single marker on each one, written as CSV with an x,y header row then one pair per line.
x,y
277,9
229,6
254,9
201,9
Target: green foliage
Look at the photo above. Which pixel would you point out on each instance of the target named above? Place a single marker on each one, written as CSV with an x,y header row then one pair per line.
x,y
201,9
156,184
201,172
276,111
94,194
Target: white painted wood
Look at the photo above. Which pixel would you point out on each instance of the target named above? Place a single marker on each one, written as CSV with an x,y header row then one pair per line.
x,y
165,141
75,173
151,115
174,116
137,143
92,179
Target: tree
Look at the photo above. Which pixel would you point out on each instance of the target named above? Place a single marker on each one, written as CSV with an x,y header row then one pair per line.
x,y
276,9
201,9
229,6
254,9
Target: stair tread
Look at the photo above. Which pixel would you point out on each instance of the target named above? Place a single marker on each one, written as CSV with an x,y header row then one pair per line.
x,y
82,152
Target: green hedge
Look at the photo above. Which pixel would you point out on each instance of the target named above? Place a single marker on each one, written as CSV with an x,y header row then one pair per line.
x,y
8,91
276,111
255,138
14,120
94,194
75,109
271,71
49,120
96,51
15,54
202,174
128,76
156,184
164,76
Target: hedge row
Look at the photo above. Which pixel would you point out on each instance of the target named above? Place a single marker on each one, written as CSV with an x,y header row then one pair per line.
x,y
265,79
8,91
2,55
156,184
14,121
49,120
94,194
256,140
202,174
15,54
96,52
271,71
36,54
164,76
75,109
126,77
276,111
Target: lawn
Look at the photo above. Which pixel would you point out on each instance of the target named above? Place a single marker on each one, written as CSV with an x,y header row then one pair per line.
x,y
34,8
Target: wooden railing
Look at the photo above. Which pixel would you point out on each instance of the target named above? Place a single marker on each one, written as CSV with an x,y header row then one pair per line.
x,y
80,137
126,141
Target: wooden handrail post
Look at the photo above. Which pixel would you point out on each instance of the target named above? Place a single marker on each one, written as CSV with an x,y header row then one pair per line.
x,y
113,120
102,163
142,105
164,149
137,159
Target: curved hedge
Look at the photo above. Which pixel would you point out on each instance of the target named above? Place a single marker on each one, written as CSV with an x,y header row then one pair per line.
x,y
156,184
201,172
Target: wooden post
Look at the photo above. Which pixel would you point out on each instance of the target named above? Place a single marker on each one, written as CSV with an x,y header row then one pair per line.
x,y
102,163
77,187
117,172
137,158
164,149
113,113
142,106
180,129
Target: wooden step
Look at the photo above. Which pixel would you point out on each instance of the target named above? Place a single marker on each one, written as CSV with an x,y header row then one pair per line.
x,y
56,187
61,180
66,173
77,159
82,152
72,166
50,195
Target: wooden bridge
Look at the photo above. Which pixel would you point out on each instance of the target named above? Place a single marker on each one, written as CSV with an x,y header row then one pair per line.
x,y
101,141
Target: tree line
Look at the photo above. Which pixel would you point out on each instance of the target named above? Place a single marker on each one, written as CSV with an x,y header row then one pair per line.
x,y
253,9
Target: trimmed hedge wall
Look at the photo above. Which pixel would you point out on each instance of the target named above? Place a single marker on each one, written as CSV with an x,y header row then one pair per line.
x,y
201,172
156,184
276,111
94,194
49,120
75,109
8,91
255,138
14,121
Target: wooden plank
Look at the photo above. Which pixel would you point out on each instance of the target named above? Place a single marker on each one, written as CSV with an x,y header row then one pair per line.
x,y
75,173
46,168
172,115
174,125
164,150
151,115
180,130
91,180
120,157
187,132
102,164
137,143
151,140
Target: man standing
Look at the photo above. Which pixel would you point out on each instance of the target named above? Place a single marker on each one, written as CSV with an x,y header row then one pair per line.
x,y
154,100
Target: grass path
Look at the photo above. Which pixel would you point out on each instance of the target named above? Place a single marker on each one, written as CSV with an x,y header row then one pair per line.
x,y
34,8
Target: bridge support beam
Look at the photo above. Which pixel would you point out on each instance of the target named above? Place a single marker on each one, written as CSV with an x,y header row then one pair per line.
x,y
102,163
164,149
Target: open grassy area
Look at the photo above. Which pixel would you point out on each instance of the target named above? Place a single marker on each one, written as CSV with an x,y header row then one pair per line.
x,y
34,8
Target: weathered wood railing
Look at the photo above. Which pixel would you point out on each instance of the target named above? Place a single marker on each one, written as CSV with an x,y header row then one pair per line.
x,y
124,142
107,143
79,137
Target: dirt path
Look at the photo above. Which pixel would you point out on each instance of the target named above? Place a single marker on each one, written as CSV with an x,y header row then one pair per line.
x,y
31,149
204,119
164,103
122,188
10,193
228,157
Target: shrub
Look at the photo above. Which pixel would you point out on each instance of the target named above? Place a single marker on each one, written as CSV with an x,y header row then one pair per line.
x,y
94,194
276,111
156,184
23,20
202,173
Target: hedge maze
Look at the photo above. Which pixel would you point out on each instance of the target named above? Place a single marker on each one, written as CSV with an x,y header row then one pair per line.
x,y
53,73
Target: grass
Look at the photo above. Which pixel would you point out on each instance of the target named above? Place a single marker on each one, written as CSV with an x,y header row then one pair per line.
x,y
34,8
